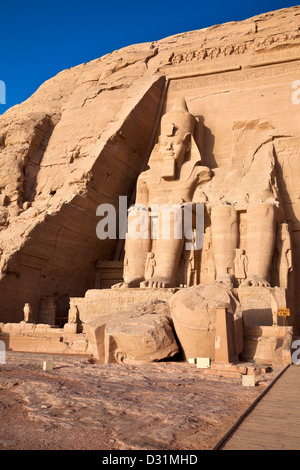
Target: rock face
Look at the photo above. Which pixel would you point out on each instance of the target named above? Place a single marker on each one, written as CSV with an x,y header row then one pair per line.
x,y
57,180
87,134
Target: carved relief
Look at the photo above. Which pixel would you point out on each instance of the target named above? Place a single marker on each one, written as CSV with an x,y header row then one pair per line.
x,y
278,38
207,268
210,53
233,49
240,265
239,76
283,255
73,314
28,317
150,265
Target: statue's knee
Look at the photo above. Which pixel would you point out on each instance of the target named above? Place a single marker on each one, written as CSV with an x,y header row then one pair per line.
x,y
223,211
223,217
262,210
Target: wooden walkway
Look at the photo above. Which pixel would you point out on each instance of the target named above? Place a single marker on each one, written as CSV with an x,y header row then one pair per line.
x,y
274,423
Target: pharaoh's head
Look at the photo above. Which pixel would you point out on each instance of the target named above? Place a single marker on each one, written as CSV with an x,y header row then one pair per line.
x,y
177,128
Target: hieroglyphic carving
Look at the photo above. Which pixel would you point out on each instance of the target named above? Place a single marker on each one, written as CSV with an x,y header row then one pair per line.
x,y
208,268
277,38
275,57
99,302
208,53
190,83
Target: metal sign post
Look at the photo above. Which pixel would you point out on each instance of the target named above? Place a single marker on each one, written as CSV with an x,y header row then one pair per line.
x,y
284,312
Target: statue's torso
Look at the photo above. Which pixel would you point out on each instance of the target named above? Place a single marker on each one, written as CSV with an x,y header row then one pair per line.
x,y
161,191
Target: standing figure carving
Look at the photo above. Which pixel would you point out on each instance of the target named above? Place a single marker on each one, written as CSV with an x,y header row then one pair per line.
x,y
284,254
240,265
28,316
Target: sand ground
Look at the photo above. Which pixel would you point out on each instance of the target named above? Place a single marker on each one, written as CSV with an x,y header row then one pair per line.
x,y
81,405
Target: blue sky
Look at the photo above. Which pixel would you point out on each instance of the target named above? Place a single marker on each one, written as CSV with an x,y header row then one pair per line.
x,y
39,39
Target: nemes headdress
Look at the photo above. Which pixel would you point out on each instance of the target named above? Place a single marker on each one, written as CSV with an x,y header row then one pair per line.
x,y
178,118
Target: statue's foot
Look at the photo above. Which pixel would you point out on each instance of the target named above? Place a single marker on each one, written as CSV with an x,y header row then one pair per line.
x,y
255,281
127,284
120,285
227,279
155,283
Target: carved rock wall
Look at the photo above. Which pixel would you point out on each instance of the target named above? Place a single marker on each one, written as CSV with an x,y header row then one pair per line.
x,y
85,135
51,248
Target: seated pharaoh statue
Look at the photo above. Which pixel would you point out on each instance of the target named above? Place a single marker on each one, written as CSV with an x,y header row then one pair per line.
x,y
246,213
173,175
231,262
243,212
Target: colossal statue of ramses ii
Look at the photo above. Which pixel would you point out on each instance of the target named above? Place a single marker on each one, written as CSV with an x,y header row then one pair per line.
x,y
174,173
173,178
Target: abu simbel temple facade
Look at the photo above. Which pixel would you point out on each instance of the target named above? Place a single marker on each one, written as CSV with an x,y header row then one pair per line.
x,y
198,133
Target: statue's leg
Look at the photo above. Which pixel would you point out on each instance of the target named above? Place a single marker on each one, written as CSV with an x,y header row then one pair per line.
x,y
225,239
136,253
168,249
261,235
137,246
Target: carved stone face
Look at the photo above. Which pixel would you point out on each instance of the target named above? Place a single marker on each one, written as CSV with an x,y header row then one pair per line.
x,y
173,146
177,127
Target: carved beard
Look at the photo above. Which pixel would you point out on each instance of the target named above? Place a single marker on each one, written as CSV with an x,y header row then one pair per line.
x,y
169,169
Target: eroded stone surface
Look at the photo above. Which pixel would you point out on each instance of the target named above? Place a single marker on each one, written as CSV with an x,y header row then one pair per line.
x,y
140,335
205,118
61,157
194,313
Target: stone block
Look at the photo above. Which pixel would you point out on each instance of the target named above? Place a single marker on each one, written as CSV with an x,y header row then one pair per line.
x,y
248,380
203,362
48,365
225,344
79,346
140,335
268,345
69,331
256,304
101,302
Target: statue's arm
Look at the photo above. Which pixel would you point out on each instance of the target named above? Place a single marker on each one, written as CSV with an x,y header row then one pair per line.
x,y
289,258
203,175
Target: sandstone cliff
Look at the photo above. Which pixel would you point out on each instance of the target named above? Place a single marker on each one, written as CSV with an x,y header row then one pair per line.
x,y
85,135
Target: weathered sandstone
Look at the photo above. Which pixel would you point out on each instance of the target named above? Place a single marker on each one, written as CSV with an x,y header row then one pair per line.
x,y
205,117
